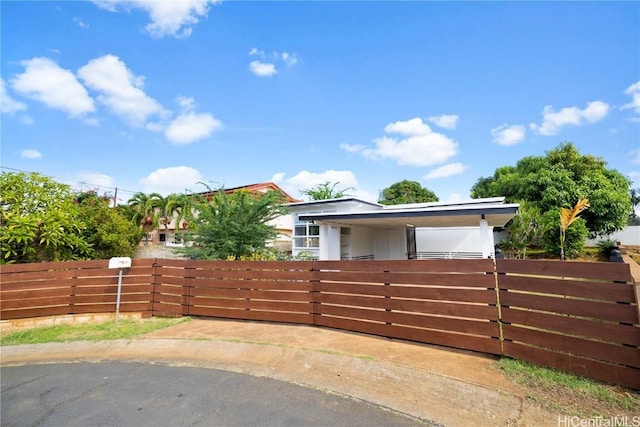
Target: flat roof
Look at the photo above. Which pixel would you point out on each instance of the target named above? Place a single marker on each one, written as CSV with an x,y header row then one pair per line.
x,y
460,215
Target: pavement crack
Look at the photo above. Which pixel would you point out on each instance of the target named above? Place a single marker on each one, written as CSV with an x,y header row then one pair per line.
x,y
4,390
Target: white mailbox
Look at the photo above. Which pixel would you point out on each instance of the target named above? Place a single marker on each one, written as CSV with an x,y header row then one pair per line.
x,y
120,262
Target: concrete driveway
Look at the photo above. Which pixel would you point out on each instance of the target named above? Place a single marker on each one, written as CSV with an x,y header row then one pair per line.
x,y
430,383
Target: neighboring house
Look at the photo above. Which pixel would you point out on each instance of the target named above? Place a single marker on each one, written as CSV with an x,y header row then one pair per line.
x,y
166,236
351,228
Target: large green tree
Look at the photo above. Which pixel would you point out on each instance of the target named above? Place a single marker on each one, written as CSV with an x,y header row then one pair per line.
x,y
559,180
232,226
108,232
406,192
41,220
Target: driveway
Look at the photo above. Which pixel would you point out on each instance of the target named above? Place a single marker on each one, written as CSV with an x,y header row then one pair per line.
x,y
136,394
430,383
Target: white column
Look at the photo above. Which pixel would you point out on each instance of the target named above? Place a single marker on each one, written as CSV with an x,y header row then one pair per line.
x,y
486,239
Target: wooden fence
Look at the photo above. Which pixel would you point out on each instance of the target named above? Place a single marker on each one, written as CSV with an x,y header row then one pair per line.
x,y
576,317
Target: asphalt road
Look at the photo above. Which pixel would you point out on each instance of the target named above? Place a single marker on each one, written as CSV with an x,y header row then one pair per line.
x,y
139,394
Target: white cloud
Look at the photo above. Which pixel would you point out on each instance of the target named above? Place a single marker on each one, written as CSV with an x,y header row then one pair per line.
x,y
7,104
81,23
95,179
31,154
305,180
120,90
447,121
508,134
190,127
445,171
266,65
635,157
552,121
168,17
169,180
635,177
417,145
634,91
455,197
289,59
349,148
46,82
262,69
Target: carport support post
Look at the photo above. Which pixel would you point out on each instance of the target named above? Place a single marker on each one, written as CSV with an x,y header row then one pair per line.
x,y
485,241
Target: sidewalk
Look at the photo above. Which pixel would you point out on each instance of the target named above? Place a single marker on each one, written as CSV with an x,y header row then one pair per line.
x,y
445,386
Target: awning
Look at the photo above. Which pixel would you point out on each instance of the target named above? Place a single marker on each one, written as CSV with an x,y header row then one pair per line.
x,y
497,215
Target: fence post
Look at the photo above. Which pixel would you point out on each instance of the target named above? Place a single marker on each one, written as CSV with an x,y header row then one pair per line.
x,y
72,292
154,286
190,270
635,273
315,294
496,275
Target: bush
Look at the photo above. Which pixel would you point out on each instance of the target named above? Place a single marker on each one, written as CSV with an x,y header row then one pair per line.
x,y
576,235
606,246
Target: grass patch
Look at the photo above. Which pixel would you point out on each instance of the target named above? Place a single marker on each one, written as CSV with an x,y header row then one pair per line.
x,y
125,328
570,394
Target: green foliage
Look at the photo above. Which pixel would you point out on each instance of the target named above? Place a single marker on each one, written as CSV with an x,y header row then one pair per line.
x,y
326,191
233,226
106,230
525,230
575,235
606,246
40,220
557,180
406,192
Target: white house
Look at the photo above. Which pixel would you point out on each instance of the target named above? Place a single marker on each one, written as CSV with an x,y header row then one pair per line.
x,y
351,228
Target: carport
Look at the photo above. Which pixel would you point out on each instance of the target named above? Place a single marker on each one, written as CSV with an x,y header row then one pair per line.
x,y
389,232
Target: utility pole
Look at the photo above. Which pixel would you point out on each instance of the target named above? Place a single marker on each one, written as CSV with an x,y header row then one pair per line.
x,y
115,197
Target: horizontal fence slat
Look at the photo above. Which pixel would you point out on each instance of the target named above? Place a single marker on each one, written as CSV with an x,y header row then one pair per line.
x,y
411,278
467,326
25,313
442,294
433,266
624,376
418,306
591,309
267,316
466,342
599,330
618,354
612,272
593,290
36,302
253,284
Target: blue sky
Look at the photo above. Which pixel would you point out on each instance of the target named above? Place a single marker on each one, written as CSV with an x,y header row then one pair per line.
x,y
156,96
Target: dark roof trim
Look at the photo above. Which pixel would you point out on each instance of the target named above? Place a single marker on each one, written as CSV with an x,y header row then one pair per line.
x,y
480,210
340,200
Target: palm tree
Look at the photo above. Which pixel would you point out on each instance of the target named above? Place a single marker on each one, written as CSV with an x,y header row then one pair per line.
x,y
567,217
144,211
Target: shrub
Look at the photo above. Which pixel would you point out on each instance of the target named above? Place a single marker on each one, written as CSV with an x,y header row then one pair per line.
x,y
575,235
606,246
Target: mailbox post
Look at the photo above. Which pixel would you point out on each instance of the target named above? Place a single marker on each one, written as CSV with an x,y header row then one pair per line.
x,y
120,263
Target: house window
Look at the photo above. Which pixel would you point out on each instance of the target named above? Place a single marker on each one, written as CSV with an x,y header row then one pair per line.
x,y
163,237
306,235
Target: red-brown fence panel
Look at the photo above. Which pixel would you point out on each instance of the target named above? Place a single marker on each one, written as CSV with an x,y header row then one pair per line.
x,y
277,291
445,302
574,316
47,289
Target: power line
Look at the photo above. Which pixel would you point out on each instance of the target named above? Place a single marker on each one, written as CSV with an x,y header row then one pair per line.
x,y
78,183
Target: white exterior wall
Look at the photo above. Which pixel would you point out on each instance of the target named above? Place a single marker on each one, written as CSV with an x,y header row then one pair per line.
x,y
629,236
362,242
390,244
454,242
